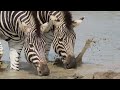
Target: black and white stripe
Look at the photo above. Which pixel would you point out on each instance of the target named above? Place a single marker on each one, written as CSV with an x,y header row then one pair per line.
x,y
63,36
1,51
11,31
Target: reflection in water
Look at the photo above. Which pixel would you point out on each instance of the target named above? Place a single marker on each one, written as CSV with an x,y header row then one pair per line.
x,y
103,26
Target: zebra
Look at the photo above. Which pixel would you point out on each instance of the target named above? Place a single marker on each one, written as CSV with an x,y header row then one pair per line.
x,y
21,29
1,52
57,28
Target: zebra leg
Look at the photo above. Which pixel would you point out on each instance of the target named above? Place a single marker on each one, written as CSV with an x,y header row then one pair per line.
x,y
48,37
1,52
15,50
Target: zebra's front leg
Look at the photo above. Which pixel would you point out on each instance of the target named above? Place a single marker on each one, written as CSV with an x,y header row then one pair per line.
x,y
15,50
1,53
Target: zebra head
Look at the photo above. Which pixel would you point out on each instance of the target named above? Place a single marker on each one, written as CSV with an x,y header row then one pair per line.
x,y
64,36
34,49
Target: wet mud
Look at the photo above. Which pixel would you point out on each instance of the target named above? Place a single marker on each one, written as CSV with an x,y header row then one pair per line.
x,y
83,70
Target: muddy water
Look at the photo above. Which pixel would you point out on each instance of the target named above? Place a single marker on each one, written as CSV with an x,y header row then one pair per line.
x,y
103,27
28,72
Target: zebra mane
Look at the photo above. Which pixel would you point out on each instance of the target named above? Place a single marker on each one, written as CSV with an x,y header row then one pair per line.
x,y
34,13
68,19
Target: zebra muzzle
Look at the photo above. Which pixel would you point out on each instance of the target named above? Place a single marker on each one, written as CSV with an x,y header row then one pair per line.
x,y
43,70
70,62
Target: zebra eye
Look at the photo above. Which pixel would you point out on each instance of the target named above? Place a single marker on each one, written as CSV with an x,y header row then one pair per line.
x,y
31,45
58,20
36,64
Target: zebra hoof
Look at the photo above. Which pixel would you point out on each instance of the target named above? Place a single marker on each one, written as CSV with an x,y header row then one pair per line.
x,y
16,69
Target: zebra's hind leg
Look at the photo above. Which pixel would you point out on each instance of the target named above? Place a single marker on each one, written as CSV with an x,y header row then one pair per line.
x,y
15,50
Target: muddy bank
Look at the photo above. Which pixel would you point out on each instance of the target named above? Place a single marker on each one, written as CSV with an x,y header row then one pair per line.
x,y
85,71
28,72
90,71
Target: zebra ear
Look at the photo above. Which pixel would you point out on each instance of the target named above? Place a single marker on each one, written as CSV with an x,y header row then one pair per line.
x,y
24,27
55,21
76,23
45,27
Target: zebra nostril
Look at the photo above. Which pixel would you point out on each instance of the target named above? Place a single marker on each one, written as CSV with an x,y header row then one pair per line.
x,y
66,65
44,70
40,74
70,65
39,71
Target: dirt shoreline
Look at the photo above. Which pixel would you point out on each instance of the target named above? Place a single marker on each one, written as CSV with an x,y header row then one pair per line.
x,y
85,71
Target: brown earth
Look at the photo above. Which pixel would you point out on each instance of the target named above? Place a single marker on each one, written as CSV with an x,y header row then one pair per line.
x,y
85,71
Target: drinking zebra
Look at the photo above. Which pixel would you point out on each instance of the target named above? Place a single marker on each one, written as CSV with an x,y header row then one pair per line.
x,y
58,29
21,28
